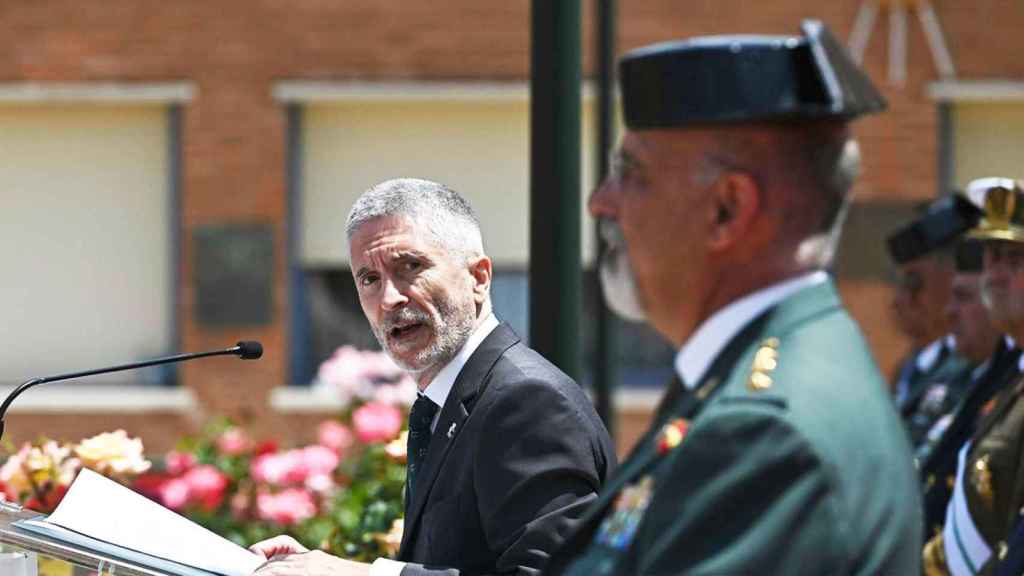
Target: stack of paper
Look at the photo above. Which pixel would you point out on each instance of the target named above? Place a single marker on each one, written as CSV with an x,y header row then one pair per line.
x,y
101,515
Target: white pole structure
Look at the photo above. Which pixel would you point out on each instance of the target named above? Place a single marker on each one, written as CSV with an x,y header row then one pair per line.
x,y
897,44
936,40
863,26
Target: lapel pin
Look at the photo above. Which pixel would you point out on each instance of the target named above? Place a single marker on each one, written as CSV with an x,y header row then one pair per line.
x,y
451,430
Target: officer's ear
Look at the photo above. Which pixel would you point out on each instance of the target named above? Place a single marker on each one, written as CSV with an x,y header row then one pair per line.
x,y
736,198
480,268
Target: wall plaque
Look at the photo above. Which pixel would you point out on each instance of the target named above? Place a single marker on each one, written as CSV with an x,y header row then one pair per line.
x,y
232,274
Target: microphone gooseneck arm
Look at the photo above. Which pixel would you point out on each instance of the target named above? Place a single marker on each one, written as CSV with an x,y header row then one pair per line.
x,y
244,350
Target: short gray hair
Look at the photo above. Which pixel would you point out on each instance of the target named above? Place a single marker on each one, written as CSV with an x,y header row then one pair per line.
x,y
446,214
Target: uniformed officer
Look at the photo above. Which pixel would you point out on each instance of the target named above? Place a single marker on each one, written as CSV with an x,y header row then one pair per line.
x,y
928,415
923,250
989,484
937,453
772,450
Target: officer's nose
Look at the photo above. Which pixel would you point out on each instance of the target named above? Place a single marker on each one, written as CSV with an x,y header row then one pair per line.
x,y
601,203
393,297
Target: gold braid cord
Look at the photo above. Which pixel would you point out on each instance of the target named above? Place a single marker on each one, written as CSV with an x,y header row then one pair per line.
x,y
933,557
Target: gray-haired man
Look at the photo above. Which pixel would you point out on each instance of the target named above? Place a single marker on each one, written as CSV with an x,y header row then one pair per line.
x,y
505,450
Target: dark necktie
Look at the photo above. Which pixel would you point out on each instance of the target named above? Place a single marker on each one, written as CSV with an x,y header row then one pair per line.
x,y
420,418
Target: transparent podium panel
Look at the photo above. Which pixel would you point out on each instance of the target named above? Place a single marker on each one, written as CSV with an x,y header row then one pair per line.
x,y
26,554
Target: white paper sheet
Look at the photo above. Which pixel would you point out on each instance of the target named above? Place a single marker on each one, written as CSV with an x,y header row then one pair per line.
x,y
103,509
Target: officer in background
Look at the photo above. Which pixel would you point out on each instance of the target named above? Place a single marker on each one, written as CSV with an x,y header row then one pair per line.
x,y
988,492
923,252
976,339
721,212
937,454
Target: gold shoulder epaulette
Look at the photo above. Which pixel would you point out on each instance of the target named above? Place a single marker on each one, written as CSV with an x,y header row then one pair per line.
x,y
765,361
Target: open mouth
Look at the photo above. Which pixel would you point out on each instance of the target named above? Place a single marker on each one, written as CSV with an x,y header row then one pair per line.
x,y
406,331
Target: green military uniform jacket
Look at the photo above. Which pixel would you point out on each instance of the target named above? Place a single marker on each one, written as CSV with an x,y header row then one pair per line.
x,y
792,461
992,480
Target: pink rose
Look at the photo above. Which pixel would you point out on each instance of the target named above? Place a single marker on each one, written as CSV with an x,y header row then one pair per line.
x,y
318,460
376,422
320,484
206,485
401,393
233,441
275,468
174,494
177,463
294,466
287,507
334,435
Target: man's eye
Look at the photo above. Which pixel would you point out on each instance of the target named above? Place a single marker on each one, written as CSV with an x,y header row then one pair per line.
x,y
367,280
413,265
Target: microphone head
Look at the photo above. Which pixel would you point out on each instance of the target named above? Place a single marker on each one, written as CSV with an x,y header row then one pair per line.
x,y
250,350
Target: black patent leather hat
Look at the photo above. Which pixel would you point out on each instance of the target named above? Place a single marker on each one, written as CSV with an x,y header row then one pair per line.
x,y
731,79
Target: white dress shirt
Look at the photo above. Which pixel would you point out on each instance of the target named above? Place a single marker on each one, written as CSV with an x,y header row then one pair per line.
x,y
701,349
438,390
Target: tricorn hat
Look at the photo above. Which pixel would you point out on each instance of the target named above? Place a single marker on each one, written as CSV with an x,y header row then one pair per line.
x,y
729,79
1002,200
942,222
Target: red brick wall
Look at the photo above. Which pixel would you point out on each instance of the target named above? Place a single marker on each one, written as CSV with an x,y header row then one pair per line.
x,y
234,134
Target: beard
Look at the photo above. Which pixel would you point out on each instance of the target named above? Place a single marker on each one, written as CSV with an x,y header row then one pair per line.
x,y
450,326
618,283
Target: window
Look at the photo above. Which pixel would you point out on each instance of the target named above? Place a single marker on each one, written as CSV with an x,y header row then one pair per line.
x,y
86,239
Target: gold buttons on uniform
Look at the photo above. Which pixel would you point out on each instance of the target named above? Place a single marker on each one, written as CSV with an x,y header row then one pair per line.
x,y
766,359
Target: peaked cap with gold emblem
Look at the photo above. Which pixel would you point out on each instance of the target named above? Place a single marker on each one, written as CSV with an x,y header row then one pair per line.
x,y
1002,202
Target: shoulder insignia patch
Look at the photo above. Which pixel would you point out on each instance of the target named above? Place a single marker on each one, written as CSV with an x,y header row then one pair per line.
x,y
765,361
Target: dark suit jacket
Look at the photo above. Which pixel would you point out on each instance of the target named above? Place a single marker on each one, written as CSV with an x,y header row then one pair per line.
x,y
802,469
518,454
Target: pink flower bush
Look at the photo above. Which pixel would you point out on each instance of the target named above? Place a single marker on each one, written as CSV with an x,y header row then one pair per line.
x,y
177,463
335,435
234,441
294,466
287,507
376,422
174,493
206,486
357,376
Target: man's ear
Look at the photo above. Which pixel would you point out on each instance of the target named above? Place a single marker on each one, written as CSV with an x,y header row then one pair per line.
x,y
736,203
480,268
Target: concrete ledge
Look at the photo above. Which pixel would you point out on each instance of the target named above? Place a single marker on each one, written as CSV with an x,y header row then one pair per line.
x,y
977,91
156,93
72,399
301,400
313,92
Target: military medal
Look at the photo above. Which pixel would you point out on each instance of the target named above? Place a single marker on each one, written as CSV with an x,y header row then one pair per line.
x,y
672,435
619,527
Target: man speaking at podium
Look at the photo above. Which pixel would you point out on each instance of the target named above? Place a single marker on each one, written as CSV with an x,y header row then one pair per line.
x,y
505,450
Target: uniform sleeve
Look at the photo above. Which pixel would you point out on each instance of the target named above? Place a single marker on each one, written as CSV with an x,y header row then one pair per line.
x,y
758,501
539,465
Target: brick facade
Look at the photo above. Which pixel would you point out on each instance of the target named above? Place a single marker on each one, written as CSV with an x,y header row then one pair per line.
x,y
234,134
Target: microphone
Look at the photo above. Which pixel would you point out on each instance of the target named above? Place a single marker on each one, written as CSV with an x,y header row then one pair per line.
x,y
246,350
